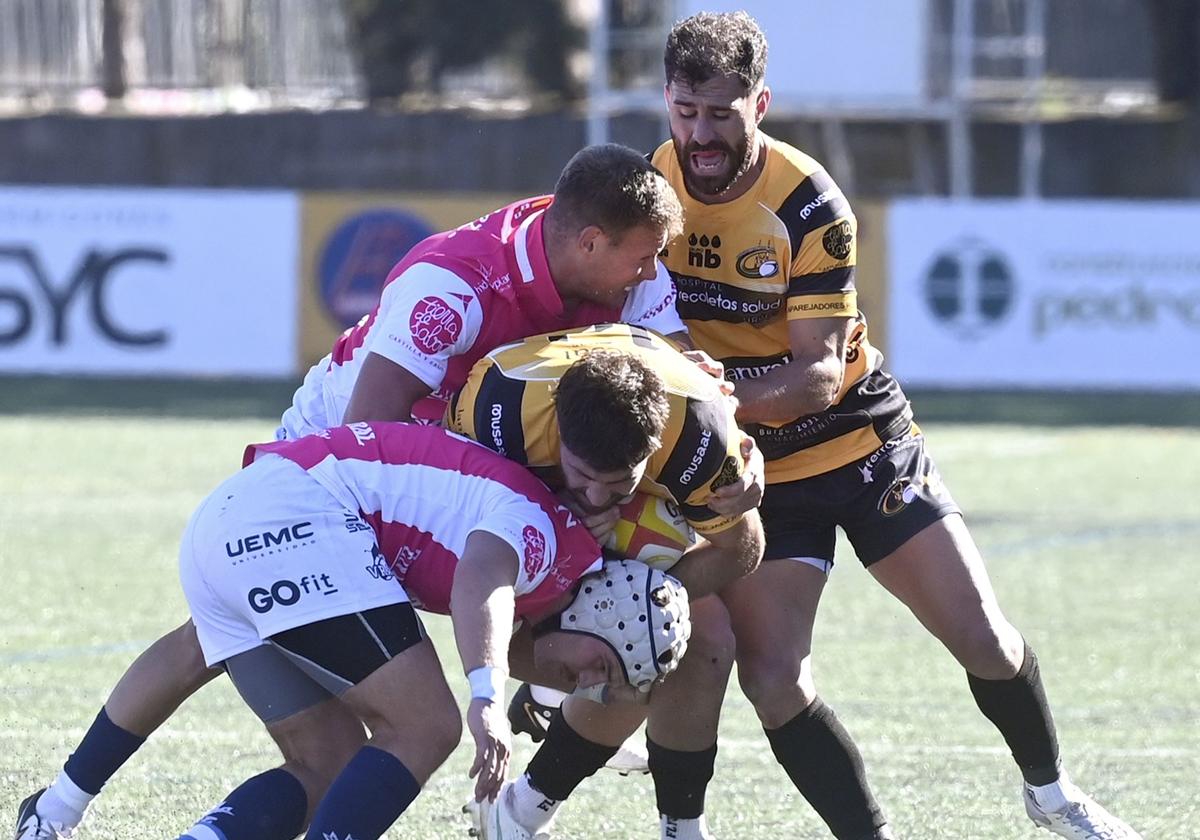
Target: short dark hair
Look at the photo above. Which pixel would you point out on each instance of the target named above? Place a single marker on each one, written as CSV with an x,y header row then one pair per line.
x,y
711,44
612,409
616,189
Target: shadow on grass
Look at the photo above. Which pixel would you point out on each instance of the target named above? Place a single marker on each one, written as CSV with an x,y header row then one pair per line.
x,y
218,398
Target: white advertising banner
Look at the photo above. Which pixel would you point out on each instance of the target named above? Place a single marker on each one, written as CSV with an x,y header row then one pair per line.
x,y
852,54
142,281
1049,294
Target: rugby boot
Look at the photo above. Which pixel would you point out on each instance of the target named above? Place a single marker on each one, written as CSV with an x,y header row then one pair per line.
x,y
533,718
32,827
495,821
528,715
631,757
1080,818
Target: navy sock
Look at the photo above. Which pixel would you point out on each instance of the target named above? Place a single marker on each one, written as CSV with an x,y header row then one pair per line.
x,y
370,794
270,806
101,753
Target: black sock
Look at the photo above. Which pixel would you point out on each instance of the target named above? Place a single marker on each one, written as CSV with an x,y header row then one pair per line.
x,y
1018,708
825,766
564,760
680,779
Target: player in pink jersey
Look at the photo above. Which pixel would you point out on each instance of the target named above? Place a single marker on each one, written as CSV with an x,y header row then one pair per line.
x,y
302,572
566,260
585,255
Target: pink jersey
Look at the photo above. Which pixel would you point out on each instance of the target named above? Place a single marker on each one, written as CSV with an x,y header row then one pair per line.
x,y
455,297
424,490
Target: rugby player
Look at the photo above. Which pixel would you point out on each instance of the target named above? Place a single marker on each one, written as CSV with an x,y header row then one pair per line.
x,y
321,634
765,276
584,255
541,402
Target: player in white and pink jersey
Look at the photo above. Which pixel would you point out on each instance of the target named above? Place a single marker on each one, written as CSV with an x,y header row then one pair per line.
x,y
580,257
302,572
585,255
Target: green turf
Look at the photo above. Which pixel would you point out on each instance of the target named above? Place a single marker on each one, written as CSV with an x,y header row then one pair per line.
x,y
1090,532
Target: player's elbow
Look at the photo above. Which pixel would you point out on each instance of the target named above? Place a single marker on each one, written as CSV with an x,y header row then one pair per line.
x,y
821,390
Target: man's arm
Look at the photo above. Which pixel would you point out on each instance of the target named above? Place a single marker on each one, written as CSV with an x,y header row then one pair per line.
x,y
482,607
809,383
384,390
722,557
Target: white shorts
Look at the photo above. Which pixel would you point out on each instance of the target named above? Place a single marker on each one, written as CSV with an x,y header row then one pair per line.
x,y
270,550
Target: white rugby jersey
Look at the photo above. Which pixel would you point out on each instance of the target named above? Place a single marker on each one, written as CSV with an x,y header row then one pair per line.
x,y
424,490
455,297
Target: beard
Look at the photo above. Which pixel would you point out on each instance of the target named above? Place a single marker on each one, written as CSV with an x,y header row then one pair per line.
x,y
737,164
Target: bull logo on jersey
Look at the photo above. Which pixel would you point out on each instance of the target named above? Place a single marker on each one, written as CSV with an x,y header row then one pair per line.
x,y
535,551
838,240
758,262
434,324
379,567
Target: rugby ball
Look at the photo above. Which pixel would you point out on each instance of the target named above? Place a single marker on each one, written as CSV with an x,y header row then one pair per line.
x,y
650,529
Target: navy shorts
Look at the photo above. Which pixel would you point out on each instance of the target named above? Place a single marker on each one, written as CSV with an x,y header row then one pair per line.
x,y
880,501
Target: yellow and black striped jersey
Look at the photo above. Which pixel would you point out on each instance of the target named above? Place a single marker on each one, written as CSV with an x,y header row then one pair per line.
x,y
507,404
785,250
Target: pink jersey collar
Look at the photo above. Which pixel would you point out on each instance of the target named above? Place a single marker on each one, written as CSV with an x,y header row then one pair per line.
x,y
533,269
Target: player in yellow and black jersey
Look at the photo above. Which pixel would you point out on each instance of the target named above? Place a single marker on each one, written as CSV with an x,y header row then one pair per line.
x,y
764,272
508,405
745,269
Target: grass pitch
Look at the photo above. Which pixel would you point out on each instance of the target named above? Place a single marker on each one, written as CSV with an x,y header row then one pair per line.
x,y
1090,533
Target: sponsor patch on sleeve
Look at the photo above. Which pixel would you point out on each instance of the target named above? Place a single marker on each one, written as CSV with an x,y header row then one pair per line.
x,y
823,306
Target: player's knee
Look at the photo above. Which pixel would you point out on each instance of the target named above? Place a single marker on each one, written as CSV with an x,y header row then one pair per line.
x,y
711,647
988,650
775,678
450,730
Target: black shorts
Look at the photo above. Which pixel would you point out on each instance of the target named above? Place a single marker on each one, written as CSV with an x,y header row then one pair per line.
x,y
880,501
306,665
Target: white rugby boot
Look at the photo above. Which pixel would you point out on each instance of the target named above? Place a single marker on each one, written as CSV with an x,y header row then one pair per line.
x,y
495,821
32,827
631,757
1075,815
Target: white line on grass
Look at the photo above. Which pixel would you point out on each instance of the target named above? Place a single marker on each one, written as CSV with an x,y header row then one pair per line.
x,y
746,744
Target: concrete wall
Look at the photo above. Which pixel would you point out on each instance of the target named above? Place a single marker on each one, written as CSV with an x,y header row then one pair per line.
x,y
461,152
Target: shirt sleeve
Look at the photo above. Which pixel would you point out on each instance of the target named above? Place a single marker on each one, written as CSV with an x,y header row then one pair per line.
x,y
427,316
651,304
821,280
531,534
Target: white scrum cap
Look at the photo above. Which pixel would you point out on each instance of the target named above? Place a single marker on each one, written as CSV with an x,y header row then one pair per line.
x,y
642,613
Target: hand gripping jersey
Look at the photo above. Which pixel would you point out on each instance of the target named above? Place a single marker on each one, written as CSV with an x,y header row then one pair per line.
x,y
507,404
423,490
785,250
454,297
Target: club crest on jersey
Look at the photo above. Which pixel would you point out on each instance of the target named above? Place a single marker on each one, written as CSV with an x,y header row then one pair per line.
x,y
434,325
757,262
838,239
535,551
897,497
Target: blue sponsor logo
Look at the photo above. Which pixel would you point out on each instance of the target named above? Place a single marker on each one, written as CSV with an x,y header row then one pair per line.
x,y
357,257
